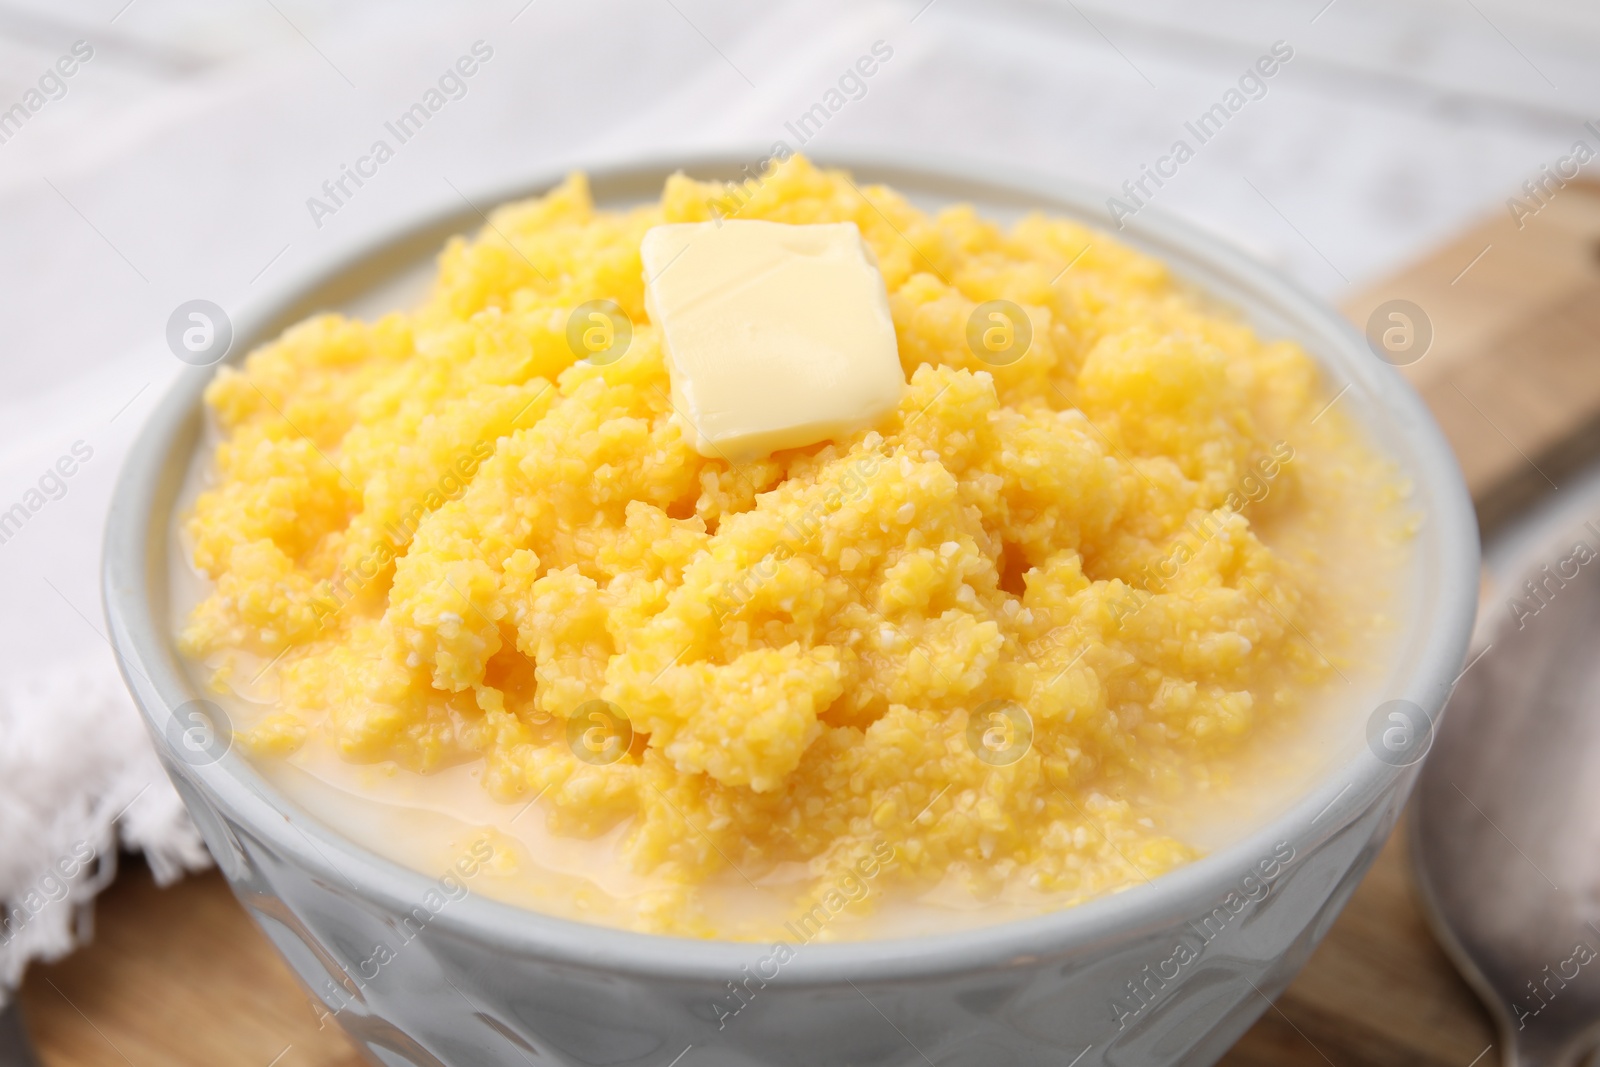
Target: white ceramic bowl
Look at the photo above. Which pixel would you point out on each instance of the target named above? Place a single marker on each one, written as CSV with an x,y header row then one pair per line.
x,y
487,983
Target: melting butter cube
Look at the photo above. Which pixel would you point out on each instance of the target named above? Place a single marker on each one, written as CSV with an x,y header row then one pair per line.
x,y
776,336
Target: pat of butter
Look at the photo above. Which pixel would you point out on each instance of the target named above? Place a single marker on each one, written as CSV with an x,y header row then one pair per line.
x,y
776,336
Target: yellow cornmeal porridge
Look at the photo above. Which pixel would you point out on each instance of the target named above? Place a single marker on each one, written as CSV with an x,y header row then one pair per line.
x,y
952,649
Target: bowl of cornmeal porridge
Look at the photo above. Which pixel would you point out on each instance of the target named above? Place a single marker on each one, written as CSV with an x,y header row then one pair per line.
x,y
791,612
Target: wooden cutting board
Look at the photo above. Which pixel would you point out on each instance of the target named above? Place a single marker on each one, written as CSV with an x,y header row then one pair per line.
x,y
180,976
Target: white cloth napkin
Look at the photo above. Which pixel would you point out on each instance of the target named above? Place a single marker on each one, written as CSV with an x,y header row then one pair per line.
x,y
179,161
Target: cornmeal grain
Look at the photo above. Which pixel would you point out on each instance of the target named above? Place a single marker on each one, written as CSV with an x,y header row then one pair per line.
x,y
455,534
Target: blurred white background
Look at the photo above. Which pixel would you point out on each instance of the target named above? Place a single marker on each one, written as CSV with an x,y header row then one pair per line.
x,y
179,161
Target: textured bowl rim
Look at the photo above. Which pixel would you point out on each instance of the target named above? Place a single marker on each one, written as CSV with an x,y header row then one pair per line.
x,y
135,552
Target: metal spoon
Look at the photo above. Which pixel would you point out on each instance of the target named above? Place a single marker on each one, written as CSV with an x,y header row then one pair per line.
x,y
15,1051
1506,820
